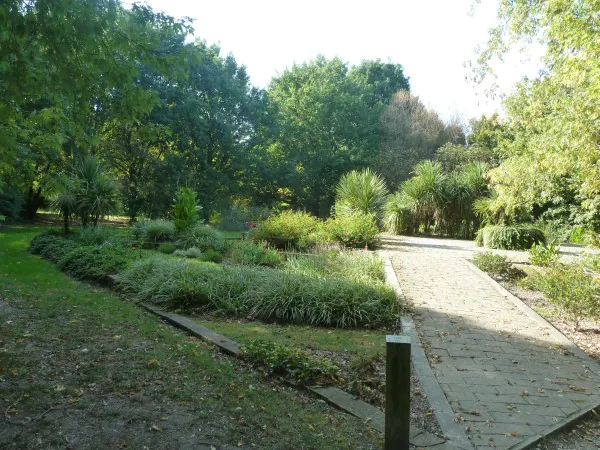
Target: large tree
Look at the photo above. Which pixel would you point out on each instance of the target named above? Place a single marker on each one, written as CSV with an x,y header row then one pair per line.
x,y
553,162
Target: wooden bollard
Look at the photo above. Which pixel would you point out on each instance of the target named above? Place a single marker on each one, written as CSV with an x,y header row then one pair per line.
x,y
397,393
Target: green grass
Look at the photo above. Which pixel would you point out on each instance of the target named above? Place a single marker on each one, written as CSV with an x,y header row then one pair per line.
x,y
357,342
93,371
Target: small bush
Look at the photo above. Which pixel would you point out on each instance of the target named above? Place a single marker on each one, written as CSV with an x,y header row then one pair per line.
x,y
262,293
291,363
185,209
167,248
95,263
192,252
248,252
544,254
211,256
354,230
510,237
570,288
203,237
497,266
154,231
285,230
238,218
51,246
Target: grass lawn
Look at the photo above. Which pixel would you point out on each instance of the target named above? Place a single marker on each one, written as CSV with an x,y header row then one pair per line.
x,y
354,342
80,368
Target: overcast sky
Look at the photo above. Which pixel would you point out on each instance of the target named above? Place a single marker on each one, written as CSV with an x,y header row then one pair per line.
x,y
432,39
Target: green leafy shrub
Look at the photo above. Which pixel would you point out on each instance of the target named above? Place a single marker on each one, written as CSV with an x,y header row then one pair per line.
x,y
354,230
51,245
211,255
249,252
203,237
518,237
192,252
570,288
154,231
237,218
262,293
349,264
185,209
291,363
286,230
497,266
544,254
95,263
167,248
398,214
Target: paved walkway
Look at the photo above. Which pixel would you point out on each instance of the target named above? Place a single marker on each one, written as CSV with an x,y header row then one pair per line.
x,y
506,376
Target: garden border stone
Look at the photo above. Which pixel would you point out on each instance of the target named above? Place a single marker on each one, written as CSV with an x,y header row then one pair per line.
x,y
591,364
435,395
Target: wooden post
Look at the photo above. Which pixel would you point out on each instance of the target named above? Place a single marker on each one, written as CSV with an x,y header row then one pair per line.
x,y
397,392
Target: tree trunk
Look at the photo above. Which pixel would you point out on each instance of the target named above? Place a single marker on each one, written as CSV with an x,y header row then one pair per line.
x,y
33,202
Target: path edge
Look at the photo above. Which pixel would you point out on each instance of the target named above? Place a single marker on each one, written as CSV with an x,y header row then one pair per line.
x,y
557,334
435,395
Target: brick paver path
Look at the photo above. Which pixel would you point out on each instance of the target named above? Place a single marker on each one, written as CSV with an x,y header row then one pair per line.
x,y
504,374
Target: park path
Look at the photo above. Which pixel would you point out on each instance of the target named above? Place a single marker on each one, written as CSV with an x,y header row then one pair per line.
x,y
506,376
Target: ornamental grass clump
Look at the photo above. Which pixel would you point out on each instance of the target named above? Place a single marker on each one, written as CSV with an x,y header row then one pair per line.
x,y
516,237
261,293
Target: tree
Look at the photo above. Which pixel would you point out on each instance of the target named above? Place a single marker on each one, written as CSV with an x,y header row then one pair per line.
x,y
326,128
410,133
552,163
361,192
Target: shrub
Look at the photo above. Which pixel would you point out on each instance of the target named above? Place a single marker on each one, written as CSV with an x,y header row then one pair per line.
x,y
51,246
544,254
262,293
203,237
291,363
192,252
185,209
167,248
352,265
354,230
361,192
248,252
497,266
211,256
286,230
397,214
154,231
520,237
570,288
95,263
237,218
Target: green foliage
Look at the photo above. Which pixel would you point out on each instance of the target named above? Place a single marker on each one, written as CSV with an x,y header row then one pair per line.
x,y
167,248
95,263
361,192
365,267
191,252
291,363
154,230
252,253
262,293
544,254
518,237
285,230
185,212
94,236
354,230
497,266
238,217
51,245
211,255
570,288
398,214
203,237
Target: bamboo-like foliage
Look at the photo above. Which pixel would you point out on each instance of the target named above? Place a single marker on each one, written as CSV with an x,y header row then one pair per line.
x,y
434,201
361,192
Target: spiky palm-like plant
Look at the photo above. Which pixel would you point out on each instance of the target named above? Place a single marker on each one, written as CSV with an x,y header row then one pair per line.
x,y
66,204
361,191
398,214
97,195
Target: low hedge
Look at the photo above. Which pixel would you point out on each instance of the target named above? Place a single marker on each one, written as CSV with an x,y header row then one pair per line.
x,y
518,237
261,293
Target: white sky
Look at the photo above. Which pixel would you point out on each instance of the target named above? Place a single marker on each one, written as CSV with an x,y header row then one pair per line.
x,y
432,39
